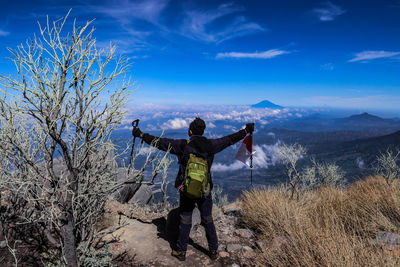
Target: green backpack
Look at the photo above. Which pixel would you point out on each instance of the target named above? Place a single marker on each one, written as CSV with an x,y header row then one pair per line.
x,y
197,178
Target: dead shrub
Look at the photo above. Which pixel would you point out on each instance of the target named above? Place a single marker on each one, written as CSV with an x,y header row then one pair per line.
x,y
325,227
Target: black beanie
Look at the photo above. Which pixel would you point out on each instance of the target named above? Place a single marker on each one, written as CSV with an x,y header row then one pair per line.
x,y
197,126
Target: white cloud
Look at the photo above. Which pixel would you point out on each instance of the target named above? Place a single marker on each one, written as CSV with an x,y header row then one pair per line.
x,y
129,44
213,135
263,55
197,24
211,125
370,55
126,11
327,67
219,167
127,14
140,20
235,117
4,33
175,124
264,157
329,11
230,127
145,150
360,163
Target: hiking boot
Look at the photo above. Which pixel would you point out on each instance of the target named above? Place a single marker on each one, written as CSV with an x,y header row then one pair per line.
x,y
180,255
213,254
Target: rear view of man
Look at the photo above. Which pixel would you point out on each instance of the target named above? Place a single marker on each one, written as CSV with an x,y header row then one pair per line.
x,y
195,157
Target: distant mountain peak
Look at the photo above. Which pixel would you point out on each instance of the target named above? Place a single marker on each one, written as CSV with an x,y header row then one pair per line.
x,y
364,117
266,104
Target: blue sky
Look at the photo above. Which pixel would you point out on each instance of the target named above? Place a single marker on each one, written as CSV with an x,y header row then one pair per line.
x,y
295,53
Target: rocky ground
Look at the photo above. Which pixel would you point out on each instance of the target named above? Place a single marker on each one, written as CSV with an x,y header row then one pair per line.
x,y
146,234
149,236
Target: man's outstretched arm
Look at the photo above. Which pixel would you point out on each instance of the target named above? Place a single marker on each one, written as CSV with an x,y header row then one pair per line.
x,y
161,143
223,142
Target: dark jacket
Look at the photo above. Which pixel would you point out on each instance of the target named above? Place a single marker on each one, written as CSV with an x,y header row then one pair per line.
x,y
198,144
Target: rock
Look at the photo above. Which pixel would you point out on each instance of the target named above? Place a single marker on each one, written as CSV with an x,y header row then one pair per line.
x,y
261,245
232,212
274,244
196,218
233,247
224,254
3,244
173,220
232,209
249,254
235,265
245,233
247,248
217,213
142,196
386,238
189,252
222,247
124,194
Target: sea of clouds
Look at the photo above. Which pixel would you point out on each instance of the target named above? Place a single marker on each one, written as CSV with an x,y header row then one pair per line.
x,y
165,117
173,122
220,120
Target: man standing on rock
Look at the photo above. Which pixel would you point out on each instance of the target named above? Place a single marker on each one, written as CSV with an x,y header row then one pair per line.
x,y
195,157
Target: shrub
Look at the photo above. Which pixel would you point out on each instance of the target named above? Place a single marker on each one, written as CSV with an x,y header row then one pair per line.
x,y
289,155
387,165
322,174
327,226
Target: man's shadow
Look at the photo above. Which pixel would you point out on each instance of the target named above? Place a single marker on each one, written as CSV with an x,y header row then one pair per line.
x,y
169,230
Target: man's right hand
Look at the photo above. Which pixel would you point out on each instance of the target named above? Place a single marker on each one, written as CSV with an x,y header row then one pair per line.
x,y
136,132
249,127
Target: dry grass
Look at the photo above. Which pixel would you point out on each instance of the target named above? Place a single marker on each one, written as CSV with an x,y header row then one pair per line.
x,y
326,227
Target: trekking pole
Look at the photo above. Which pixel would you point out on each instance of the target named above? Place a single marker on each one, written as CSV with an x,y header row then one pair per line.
x,y
135,124
251,159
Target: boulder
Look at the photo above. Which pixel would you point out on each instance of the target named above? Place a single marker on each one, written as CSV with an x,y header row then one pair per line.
x,y
224,254
129,189
387,238
274,244
196,218
142,196
222,247
233,247
247,248
232,212
173,220
262,245
244,233
126,193
232,209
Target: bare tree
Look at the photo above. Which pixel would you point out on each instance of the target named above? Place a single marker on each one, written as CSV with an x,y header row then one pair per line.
x,y
289,155
56,116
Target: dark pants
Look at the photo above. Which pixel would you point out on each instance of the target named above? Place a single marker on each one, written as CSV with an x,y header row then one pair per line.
x,y
186,206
